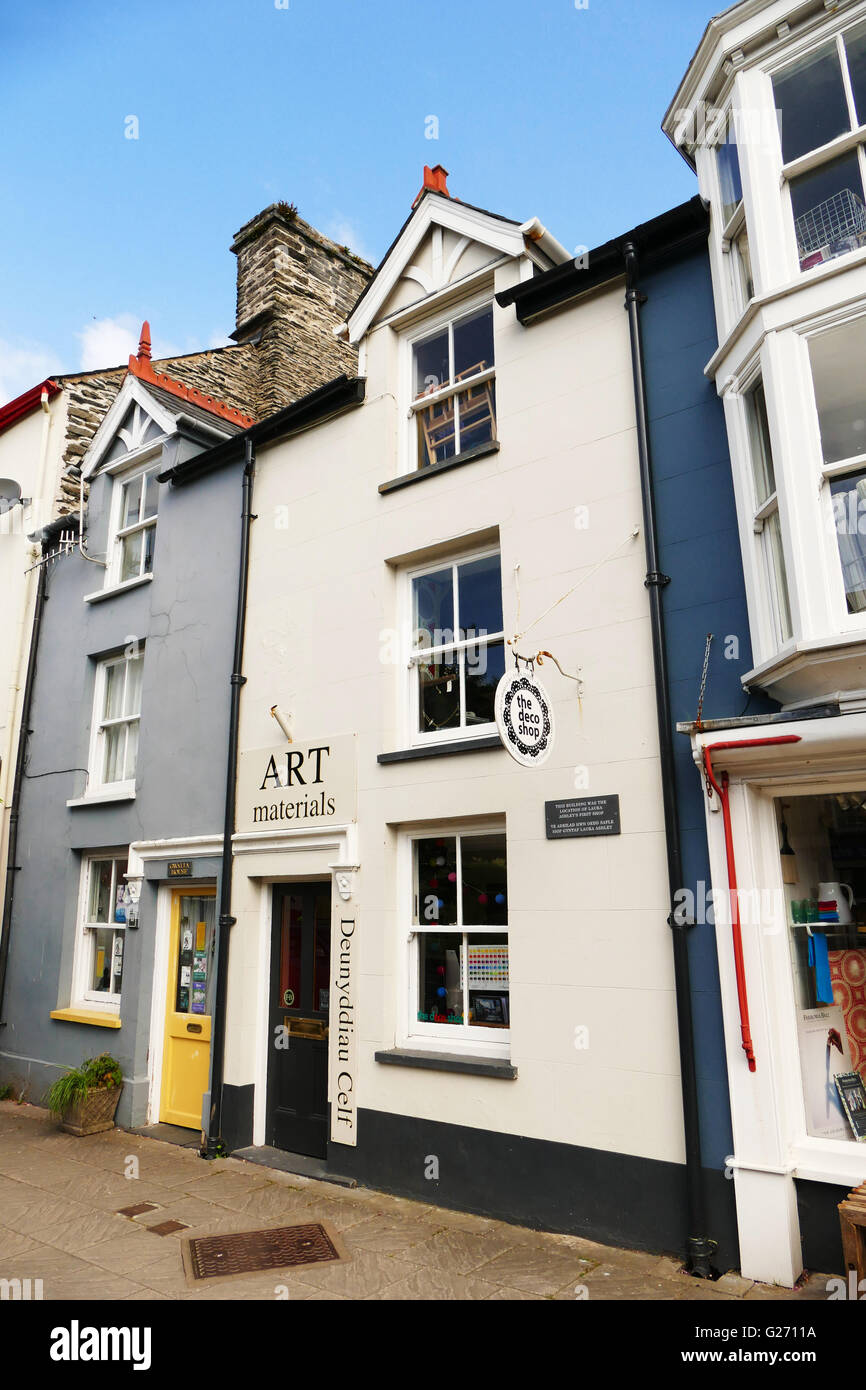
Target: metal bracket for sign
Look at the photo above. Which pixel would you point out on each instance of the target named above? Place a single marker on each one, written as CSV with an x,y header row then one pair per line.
x,y
531,661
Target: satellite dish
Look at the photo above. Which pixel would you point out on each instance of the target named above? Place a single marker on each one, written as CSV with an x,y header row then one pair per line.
x,y
10,494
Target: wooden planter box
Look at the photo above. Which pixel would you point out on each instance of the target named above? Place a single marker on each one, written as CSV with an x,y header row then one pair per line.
x,y
93,1114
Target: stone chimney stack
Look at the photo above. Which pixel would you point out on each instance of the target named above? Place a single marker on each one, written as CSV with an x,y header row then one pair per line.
x,y
294,287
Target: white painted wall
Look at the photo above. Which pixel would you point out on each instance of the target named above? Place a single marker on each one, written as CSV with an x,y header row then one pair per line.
x,y
588,936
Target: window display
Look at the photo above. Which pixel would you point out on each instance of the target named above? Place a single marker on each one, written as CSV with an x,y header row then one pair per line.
x,y
826,914
460,925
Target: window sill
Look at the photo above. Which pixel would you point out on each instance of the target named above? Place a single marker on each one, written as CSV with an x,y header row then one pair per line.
x,y
442,750
448,1061
419,474
85,1015
101,594
101,798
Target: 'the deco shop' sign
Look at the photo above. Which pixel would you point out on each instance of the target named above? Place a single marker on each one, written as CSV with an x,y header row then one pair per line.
x,y
524,718
297,786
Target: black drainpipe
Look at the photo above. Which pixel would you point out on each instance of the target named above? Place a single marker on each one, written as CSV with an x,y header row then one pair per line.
x,y
20,761
213,1131
700,1247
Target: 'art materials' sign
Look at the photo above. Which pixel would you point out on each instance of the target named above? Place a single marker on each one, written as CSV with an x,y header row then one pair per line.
x,y
524,718
585,815
297,786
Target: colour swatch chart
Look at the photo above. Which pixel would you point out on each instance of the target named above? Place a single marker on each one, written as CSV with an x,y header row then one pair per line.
x,y
488,967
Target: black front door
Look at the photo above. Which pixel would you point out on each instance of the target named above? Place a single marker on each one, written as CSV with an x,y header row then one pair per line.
x,y
298,1018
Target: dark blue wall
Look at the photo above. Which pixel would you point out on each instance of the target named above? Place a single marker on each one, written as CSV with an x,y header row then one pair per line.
x,y
700,551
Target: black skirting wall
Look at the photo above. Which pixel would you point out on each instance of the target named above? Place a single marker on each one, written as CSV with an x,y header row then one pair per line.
x,y
820,1232
609,1197
237,1117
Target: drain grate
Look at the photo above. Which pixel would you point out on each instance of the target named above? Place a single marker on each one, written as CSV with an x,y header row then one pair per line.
x,y
138,1210
242,1252
167,1228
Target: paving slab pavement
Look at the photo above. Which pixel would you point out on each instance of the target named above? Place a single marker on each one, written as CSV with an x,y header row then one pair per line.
x,y
60,1221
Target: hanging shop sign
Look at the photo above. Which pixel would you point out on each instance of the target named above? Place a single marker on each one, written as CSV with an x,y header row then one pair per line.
x,y
524,718
585,815
299,785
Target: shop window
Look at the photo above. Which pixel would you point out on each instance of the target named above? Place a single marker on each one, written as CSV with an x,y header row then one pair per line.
x,y
460,979
106,901
134,530
823,843
117,712
454,391
458,651
818,100
765,520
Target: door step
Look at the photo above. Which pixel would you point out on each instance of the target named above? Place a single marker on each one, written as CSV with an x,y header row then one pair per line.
x,y
301,1164
170,1134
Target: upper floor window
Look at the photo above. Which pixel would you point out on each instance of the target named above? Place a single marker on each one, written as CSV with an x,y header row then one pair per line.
x,y
734,234
458,649
766,513
454,392
117,712
134,530
838,358
819,99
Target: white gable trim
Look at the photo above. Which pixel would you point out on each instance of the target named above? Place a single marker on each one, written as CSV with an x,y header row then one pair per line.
x,y
131,392
437,212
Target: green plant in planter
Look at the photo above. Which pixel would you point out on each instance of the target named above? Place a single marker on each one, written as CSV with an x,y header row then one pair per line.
x,y
100,1073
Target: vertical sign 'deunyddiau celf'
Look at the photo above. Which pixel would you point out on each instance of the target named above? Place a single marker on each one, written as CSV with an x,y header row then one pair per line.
x,y
343,1039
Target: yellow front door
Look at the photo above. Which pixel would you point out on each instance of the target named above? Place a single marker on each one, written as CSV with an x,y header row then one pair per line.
x,y
186,1052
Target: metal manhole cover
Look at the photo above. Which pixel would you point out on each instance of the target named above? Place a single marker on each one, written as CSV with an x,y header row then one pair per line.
x,y
243,1252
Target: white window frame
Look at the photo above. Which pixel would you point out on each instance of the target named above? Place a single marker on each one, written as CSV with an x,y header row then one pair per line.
x,y
446,318
122,473
854,139
414,735
96,761
841,621
477,1040
85,934
762,513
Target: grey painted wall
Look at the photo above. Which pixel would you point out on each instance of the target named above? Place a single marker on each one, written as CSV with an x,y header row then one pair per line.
x,y
185,618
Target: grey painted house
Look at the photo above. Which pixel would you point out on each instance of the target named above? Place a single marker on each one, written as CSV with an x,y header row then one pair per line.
x,y
120,812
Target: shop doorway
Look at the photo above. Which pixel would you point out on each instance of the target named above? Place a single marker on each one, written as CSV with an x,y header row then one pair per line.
x,y
297,1108
189,988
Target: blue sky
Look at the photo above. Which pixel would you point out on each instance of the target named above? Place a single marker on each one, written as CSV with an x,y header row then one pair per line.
x,y
543,109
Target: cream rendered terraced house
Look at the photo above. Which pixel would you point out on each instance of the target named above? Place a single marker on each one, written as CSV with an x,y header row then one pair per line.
x,y
419,976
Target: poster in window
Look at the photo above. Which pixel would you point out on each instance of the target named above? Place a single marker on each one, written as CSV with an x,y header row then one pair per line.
x,y
852,1094
824,1052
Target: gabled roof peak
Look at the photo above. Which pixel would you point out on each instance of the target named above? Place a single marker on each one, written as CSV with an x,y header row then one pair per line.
x,y
435,181
142,368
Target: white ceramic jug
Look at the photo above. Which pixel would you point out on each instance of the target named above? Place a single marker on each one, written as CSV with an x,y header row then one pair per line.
x,y
832,892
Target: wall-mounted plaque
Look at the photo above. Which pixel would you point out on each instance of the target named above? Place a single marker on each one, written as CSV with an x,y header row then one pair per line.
x,y
584,815
180,868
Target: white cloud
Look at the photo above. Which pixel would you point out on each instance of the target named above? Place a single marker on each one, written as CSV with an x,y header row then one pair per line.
x,y
23,365
108,342
345,233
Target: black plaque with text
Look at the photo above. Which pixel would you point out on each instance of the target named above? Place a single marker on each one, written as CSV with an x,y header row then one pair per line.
x,y
585,815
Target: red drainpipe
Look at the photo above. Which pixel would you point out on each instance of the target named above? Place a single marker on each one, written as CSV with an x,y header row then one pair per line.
x,y
722,793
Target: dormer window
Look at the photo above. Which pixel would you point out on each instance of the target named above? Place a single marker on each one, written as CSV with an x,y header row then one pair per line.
x,y
821,101
454,393
136,525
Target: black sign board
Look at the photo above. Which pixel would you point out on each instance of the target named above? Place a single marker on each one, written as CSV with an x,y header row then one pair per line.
x,y
585,815
180,868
